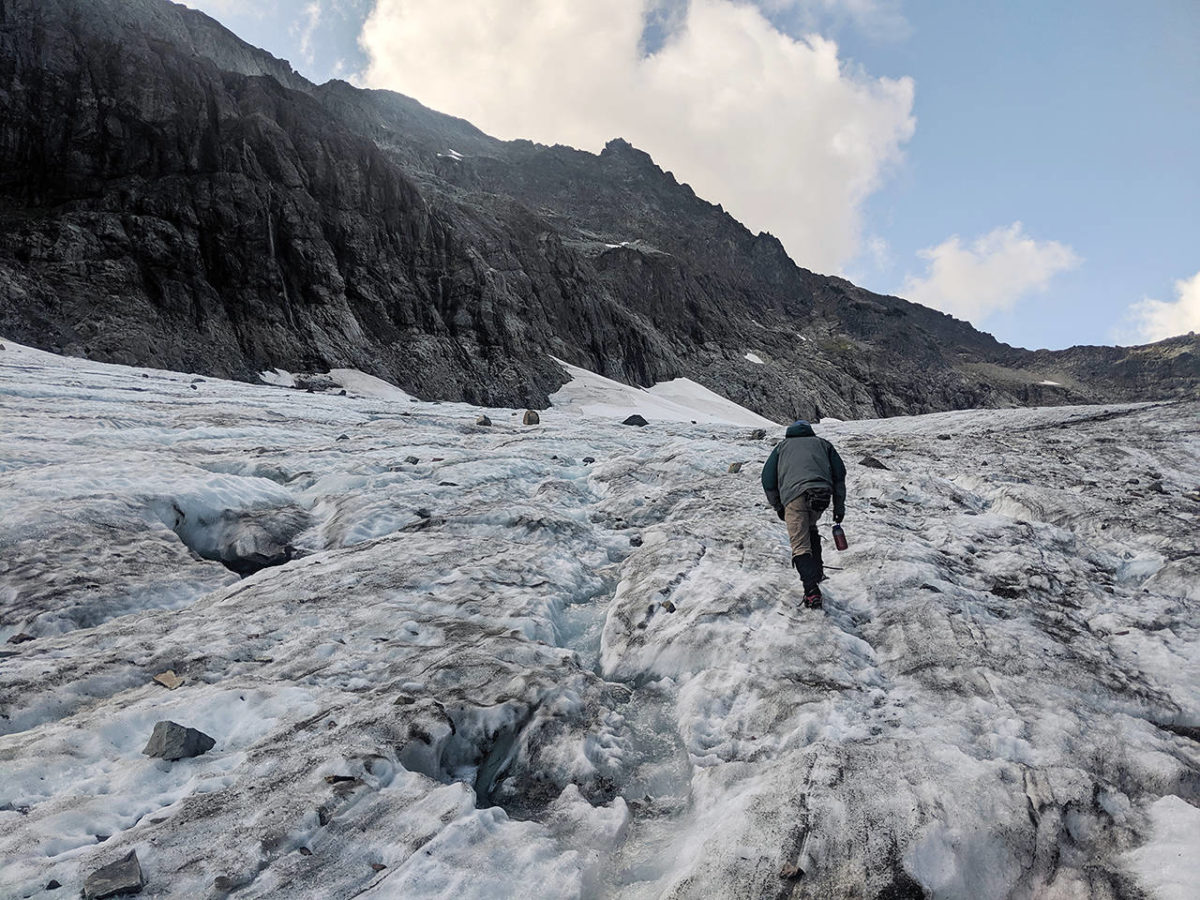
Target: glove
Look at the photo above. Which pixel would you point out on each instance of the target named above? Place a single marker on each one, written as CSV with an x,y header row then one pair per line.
x,y
779,512
839,513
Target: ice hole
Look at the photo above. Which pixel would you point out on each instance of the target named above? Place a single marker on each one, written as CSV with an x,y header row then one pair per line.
x,y
244,541
476,749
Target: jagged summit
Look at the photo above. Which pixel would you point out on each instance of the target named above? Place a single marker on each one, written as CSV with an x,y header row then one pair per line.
x,y
170,195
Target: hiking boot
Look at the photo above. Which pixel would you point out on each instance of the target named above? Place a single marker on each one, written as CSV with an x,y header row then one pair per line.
x,y
809,573
812,600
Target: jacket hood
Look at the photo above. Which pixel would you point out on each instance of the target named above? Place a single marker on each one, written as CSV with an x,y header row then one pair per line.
x,y
800,429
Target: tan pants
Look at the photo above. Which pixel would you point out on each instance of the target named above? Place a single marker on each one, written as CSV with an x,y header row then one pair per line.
x,y
801,525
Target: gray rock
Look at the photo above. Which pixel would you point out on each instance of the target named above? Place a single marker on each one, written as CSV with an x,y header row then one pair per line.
x,y
315,382
171,740
483,420
637,420
758,434
735,467
21,638
411,460
531,418
872,463
588,460
116,879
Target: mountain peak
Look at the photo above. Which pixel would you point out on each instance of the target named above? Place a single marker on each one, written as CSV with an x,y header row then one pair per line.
x,y
199,221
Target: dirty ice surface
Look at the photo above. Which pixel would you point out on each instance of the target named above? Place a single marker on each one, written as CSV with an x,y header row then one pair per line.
x,y
468,662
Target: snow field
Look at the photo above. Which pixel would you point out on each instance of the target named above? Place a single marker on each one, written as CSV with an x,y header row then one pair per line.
x,y
503,670
680,400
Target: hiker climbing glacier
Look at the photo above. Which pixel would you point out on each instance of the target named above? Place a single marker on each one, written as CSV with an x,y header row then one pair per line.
x,y
407,653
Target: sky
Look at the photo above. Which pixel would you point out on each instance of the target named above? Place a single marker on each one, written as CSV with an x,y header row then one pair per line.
x,y
1028,166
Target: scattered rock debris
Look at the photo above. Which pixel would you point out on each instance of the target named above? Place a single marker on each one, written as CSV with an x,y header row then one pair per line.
x,y
116,879
168,679
872,462
170,740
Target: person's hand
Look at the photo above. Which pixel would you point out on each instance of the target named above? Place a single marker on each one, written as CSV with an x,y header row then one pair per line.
x,y
838,515
779,512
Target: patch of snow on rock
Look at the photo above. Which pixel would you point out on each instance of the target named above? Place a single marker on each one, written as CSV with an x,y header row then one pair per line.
x,y
678,400
360,384
278,377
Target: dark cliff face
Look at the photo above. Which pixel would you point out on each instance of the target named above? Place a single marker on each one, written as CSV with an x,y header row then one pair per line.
x,y
171,196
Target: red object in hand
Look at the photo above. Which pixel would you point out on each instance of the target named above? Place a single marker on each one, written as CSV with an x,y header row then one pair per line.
x,y
839,538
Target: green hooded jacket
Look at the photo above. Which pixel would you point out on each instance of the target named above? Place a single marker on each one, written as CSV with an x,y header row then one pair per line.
x,y
802,461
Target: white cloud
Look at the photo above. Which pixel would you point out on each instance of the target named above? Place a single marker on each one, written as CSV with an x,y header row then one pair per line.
x,y
774,128
991,274
877,19
307,28
879,251
1153,320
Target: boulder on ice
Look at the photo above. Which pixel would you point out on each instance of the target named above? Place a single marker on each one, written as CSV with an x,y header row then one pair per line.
x,y
171,740
117,879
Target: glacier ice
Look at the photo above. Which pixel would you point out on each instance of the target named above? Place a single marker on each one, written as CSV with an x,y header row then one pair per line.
x,y
504,671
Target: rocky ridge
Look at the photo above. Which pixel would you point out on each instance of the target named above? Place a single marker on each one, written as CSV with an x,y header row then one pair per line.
x,y
172,196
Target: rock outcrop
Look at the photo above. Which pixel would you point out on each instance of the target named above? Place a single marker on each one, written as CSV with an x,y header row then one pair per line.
x,y
171,196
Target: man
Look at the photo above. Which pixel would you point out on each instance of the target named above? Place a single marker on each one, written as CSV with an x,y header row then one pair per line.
x,y
801,476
